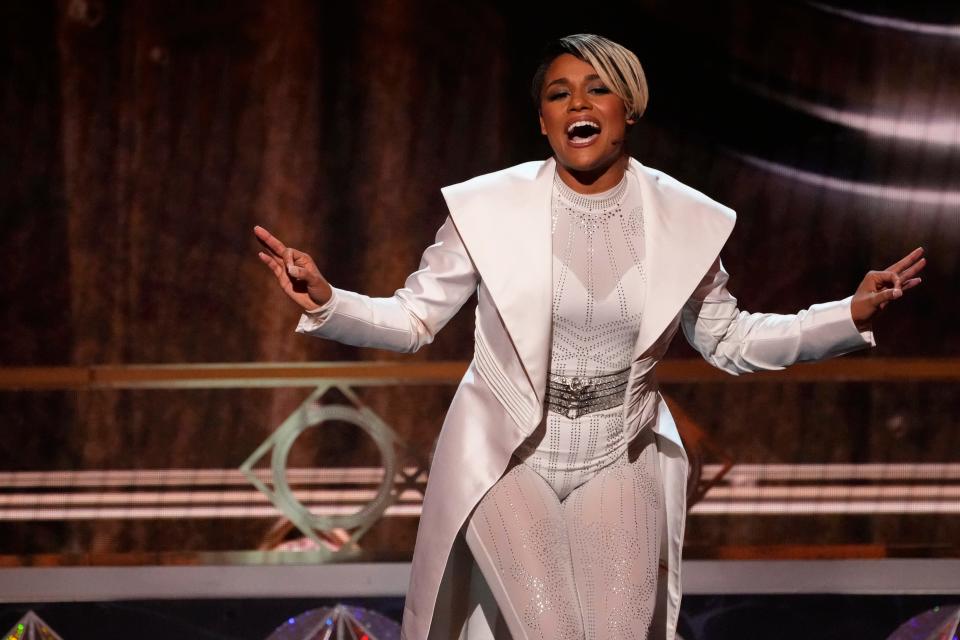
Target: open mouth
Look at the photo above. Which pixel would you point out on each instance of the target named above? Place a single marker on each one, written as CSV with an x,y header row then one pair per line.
x,y
583,132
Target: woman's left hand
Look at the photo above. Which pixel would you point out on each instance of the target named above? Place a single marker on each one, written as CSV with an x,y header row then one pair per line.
x,y
880,287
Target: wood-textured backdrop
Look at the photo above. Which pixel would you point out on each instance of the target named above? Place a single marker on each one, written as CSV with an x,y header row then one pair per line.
x,y
141,141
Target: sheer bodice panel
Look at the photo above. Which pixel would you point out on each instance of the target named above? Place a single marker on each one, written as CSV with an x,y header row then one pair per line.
x,y
598,279
599,287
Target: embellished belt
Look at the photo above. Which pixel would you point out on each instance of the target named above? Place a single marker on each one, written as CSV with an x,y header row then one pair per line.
x,y
577,396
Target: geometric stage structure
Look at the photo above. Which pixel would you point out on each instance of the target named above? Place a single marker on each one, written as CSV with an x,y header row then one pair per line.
x,y
31,627
276,448
337,623
939,623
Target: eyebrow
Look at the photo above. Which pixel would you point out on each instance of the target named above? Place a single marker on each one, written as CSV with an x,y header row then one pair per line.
x,y
592,76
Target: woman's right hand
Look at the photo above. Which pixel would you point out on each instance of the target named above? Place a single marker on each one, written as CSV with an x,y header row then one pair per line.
x,y
295,271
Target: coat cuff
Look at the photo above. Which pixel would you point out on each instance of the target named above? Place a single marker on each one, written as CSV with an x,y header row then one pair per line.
x,y
835,330
312,320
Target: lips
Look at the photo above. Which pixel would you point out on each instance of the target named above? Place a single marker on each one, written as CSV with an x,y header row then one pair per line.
x,y
582,132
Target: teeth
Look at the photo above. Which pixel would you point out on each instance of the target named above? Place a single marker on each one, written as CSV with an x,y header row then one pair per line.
x,y
580,123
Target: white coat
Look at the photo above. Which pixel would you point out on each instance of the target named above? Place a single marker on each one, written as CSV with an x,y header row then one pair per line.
x,y
497,242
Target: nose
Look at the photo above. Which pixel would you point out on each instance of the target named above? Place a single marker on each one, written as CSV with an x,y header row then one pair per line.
x,y
579,101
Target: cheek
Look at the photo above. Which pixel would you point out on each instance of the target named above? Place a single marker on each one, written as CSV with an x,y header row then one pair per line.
x,y
616,112
551,123
617,122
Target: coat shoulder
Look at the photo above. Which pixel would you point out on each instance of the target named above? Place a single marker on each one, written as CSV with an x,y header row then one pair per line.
x,y
674,190
505,184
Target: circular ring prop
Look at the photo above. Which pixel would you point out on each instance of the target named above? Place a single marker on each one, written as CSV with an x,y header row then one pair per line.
x,y
368,423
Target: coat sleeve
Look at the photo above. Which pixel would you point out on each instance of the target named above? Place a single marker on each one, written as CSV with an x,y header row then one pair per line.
x,y
741,342
414,314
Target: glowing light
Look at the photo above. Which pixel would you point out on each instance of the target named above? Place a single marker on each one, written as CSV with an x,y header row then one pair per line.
x,y
821,507
894,193
942,133
925,28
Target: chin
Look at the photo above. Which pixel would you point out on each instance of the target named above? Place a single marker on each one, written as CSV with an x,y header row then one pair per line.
x,y
581,164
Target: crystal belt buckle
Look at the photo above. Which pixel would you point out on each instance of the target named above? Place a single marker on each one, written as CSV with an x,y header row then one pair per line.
x,y
578,387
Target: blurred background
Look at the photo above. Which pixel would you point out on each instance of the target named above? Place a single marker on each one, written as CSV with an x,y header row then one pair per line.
x,y
143,140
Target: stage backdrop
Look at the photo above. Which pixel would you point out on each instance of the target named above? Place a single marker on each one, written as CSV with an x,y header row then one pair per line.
x,y
142,141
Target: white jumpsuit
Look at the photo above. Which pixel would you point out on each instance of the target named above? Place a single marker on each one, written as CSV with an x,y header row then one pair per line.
x,y
569,537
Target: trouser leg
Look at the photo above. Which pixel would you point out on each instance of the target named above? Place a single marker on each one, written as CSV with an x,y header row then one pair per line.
x,y
518,537
614,525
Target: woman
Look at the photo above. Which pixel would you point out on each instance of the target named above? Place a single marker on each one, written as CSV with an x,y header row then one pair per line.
x,y
559,480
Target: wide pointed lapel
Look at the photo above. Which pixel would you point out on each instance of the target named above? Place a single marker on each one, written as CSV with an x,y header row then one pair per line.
x,y
504,221
684,232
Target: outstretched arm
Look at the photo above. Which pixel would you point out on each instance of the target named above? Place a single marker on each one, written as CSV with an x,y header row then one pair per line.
x,y
405,321
740,342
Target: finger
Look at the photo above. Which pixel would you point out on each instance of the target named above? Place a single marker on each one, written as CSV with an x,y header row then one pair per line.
x,y
882,298
913,269
272,244
302,259
288,262
273,265
906,261
910,284
270,255
270,250
267,259
298,263
888,278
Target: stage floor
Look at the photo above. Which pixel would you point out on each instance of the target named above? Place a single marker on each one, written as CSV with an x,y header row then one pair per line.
x,y
372,580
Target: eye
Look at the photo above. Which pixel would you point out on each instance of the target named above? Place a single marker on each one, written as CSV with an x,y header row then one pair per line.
x,y
556,95
600,90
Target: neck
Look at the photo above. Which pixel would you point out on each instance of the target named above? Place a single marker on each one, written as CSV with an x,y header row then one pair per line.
x,y
594,180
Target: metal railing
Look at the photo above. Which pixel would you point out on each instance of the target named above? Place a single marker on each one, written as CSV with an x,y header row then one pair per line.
x,y
311,374
330,498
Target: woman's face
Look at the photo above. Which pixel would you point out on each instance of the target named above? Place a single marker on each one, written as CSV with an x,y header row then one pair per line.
x,y
584,121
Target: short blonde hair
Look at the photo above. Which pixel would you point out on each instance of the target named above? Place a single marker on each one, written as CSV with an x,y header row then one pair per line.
x,y
616,65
